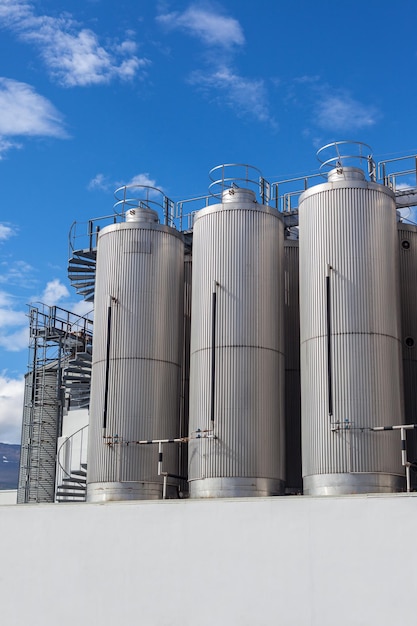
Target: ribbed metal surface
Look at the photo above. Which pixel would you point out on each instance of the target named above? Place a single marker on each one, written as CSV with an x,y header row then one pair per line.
x,y
239,244
140,265
39,437
407,240
350,224
24,477
294,482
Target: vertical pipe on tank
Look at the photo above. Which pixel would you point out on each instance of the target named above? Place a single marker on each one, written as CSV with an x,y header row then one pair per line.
x,y
238,245
349,224
137,355
294,482
407,242
185,371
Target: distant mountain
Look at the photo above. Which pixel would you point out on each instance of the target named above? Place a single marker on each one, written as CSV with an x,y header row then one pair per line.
x,y
9,465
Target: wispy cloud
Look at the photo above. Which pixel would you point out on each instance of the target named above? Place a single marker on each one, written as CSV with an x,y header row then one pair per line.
x,y
15,341
329,109
143,179
82,308
207,25
23,113
73,55
247,96
54,292
17,273
6,232
221,37
100,182
338,111
103,183
14,333
10,317
11,408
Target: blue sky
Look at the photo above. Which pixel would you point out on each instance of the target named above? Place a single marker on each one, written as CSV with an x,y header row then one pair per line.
x,y
95,94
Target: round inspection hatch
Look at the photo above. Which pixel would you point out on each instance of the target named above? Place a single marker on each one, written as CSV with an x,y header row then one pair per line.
x,y
409,342
405,244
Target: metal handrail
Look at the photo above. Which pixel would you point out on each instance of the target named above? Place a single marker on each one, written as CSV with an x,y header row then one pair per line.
x,y
179,210
90,234
144,197
63,473
340,158
241,172
275,190
389,179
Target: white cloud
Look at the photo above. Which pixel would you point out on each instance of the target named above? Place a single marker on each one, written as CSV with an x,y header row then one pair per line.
x,y
16,273
337,111
54,292
102,182
246,96
136,193
73,55
17,340
6,145
10,317
207,25
5,299
13,10
142,179
82,308
14,325
23,112
6,231
99,182
11,408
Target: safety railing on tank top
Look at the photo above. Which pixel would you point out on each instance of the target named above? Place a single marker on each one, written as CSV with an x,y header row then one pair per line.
x,y
399,174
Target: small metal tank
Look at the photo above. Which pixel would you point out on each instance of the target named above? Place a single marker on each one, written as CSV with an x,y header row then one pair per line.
x,y
351,374
407,241
137,355
294,482
237,443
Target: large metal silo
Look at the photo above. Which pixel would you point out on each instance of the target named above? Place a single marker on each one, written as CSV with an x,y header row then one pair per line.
x,y
237,350
351,374
294,482
407,241
137,354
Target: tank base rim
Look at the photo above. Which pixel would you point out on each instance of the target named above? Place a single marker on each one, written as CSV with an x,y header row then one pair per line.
x,y
129,490
352,483
236,487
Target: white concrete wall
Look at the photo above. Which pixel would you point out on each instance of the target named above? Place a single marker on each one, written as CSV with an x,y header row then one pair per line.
x,y
282,561
8,496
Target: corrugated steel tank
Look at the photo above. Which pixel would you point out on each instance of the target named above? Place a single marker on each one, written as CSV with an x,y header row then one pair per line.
x,y
40,430
138,351
238,255
294,482
348,244
407,241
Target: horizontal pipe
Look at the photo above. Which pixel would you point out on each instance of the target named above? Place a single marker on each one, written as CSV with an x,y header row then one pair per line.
x,y
398,427
147,441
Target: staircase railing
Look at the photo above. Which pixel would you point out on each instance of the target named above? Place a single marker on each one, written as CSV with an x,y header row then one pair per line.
x,y
67,460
